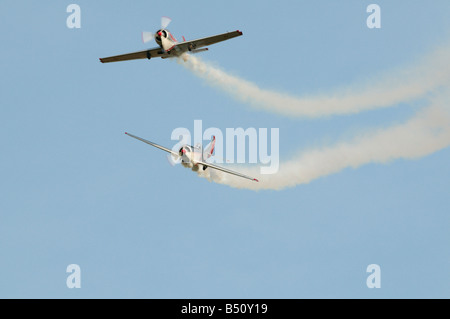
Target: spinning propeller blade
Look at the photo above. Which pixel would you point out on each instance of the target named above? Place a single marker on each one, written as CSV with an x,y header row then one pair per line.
x,y
147,36
165,21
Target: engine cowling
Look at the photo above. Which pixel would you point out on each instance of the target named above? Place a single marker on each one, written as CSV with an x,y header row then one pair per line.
x,y
160,34
184,153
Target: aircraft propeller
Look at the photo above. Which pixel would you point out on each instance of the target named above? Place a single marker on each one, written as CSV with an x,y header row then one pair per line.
x,y
148,36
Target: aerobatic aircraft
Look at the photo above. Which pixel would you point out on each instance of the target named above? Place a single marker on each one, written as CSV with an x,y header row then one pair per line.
x,y
195,157
168,46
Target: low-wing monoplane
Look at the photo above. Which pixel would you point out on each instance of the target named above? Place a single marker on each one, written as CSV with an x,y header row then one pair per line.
x,y
195,157
168,46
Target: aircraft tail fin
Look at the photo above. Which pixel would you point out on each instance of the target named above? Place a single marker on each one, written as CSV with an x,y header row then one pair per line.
x,y
209,149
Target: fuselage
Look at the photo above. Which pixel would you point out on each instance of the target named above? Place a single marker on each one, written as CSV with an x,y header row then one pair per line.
x,y
165,40
169,44
191,155
166,34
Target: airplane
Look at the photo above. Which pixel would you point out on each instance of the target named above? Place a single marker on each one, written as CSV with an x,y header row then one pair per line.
x,y
195,157
168,46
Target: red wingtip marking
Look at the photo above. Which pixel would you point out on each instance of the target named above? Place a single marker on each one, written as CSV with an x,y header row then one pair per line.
x,y
256,180
126,133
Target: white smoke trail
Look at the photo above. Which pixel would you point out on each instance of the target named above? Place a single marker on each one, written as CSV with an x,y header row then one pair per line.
x,y
425,133
401,85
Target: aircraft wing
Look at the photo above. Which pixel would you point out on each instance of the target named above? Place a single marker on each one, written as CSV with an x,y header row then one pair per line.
x,y
154,144
199,43
199,162
220,168
146,54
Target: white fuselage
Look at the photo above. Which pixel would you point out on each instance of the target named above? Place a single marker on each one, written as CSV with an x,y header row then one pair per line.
x,y
165,40
190,156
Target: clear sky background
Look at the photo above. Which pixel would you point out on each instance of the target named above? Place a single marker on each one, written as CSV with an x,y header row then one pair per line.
x,y
76,190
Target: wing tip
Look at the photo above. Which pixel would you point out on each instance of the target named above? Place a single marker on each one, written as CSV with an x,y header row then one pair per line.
x,y
240,32
256,180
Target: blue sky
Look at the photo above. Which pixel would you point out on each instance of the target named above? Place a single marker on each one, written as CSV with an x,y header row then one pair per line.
x,y
76,190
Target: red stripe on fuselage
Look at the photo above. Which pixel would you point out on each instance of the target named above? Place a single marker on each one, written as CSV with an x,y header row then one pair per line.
x,y
172,37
